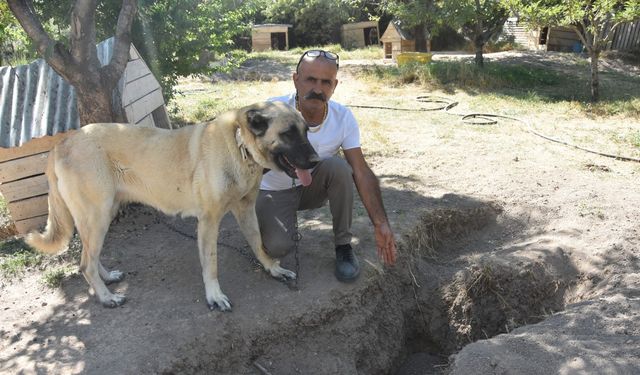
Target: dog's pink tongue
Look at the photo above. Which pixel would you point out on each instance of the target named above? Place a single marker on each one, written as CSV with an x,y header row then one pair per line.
x,y
304,176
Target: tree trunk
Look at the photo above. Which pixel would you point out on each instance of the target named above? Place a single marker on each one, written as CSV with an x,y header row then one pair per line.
x,y
79,64
421,42
479,58
479,41
595,82
95,103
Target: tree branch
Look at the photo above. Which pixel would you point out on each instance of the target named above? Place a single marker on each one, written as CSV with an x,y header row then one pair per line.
x,y
583,37
112,72
611,33
603,27
54,52
83,33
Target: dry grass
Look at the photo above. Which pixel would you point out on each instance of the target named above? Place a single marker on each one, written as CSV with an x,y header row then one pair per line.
x,y
439,225
497,296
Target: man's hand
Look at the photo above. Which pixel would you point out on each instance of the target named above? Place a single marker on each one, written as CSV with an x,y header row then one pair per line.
x,y
369,189
386,243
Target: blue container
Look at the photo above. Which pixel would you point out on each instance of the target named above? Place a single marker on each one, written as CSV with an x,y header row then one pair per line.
x,y
577,47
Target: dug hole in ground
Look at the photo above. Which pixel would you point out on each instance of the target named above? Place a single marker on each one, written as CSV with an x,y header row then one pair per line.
x,y
517,256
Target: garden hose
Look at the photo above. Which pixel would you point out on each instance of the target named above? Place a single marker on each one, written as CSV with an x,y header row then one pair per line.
x,y
446,104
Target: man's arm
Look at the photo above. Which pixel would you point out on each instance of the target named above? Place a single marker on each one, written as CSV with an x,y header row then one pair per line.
x,y
369,190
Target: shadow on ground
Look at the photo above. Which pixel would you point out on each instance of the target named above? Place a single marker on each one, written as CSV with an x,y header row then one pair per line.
x,y
424,305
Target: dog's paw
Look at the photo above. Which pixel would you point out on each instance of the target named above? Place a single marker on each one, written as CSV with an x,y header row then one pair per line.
x,y
114,277
114,301
282,273
222,303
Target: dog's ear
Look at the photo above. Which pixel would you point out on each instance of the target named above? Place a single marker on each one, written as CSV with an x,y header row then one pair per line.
x,y
258,123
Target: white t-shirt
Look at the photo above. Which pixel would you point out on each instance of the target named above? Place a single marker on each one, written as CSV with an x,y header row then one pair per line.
x,y
339,130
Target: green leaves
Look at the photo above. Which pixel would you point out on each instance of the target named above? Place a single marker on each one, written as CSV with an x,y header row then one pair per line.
x,y
315,22
594,21
566,12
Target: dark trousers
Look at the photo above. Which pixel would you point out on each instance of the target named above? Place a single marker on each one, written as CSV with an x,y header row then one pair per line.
x,y
276,210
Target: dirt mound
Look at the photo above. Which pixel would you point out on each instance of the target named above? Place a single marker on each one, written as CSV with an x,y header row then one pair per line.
x,y
591,337
494,296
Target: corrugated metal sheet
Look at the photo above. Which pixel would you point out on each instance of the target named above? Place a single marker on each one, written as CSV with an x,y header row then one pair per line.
x,y
35,101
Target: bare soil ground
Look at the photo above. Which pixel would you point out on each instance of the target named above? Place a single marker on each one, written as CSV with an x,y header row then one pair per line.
x,y
517,256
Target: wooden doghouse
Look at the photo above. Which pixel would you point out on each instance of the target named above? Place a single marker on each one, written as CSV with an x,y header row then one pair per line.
x,y
38,109
270,37
360,34
565,39
561,39
524,37
396,41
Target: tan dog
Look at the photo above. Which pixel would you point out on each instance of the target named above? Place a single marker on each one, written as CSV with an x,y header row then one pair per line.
x,y
203,170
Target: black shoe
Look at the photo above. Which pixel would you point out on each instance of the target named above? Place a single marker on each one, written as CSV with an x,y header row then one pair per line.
x,y
347,265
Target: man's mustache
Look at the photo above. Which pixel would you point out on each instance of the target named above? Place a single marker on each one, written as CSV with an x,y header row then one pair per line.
x,y
315,95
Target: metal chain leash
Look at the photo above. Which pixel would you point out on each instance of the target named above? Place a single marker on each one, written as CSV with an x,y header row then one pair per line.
x,y
296,236
255,264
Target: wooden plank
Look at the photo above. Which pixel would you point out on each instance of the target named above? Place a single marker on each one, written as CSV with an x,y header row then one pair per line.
x,y
139,109
634,36
359,25
263,39
133,53
146,122
135,70
560,34
25,188
627,40
269,29
562,42
617,36
34,146
139,88
24,167
27,225
28,208
631,35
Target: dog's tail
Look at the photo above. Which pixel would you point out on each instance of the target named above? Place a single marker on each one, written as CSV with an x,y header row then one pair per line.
x,y
56,235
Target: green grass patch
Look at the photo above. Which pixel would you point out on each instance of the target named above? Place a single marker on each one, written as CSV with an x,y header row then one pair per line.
x,y
54,278
619,93
460,74
207,109
634,139
16,263
630,139
16,258
604,108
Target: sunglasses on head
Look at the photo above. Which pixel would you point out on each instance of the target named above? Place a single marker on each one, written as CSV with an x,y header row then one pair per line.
x,y
318,52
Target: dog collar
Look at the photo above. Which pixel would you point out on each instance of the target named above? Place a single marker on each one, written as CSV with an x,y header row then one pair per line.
x,y
241,145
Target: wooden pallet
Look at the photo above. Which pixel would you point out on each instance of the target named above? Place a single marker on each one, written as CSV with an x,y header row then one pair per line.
x,y
23,183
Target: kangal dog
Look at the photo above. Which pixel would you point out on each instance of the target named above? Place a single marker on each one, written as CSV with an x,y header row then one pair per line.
x,y
203,170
